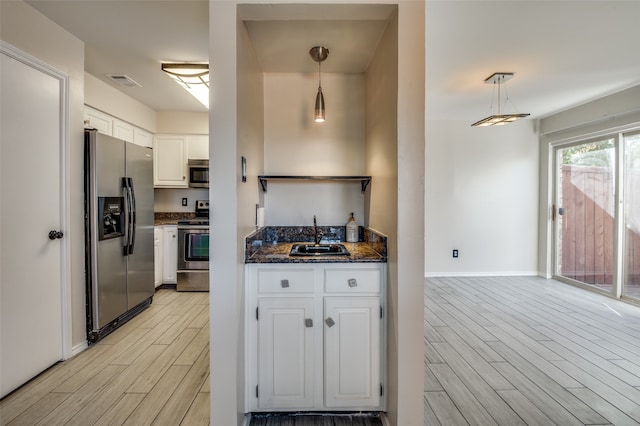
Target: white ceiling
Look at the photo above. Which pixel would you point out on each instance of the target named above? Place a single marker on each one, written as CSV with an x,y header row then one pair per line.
x,y
564,53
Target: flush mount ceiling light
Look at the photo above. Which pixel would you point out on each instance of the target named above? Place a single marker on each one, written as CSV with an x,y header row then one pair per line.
x,y
319,54
194,78
498,79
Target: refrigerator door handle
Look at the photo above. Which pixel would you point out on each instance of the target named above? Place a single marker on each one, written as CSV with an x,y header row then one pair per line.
x,y
127,215
125,195
132,237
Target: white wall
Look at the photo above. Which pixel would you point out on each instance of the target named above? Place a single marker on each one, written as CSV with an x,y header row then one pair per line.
x,y
409,316
250,145
381,162
194,123
28,30
296,145
170,199
481,199
232,75
106,98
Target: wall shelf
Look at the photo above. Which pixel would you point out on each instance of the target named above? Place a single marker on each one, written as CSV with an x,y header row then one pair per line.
x,y
364,180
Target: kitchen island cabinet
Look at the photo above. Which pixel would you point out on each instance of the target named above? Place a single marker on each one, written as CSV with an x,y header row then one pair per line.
x,y
315,336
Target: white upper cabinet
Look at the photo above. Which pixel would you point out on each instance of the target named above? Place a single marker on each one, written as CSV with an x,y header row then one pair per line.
x,y
198,147
98,120
117,128
122,130
170,161
142,138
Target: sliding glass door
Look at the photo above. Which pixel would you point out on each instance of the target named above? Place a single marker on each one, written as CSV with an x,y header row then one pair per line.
x,y
593,246
631,178
585,214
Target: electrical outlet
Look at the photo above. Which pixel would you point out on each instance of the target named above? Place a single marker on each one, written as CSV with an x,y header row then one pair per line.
x,y
184,202
455,253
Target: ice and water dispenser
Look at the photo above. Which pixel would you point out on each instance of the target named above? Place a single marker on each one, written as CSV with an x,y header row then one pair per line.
x,y
110,217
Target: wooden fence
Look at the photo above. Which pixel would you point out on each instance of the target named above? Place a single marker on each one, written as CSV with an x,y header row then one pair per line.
x,y
587,228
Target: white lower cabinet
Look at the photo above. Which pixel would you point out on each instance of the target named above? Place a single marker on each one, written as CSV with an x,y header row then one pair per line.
x,y
315,337
352,352
170,254
285,365
157,255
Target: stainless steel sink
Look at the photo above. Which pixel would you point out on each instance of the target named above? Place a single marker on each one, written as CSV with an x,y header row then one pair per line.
x,y
310,249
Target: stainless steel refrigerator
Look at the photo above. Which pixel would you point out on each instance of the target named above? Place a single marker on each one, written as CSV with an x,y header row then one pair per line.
x,y
118,231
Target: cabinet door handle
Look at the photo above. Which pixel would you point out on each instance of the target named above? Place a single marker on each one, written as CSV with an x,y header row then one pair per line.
x,y
308,322
284,283
330,322
352,282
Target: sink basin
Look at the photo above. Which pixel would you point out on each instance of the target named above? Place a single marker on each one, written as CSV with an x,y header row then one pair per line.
x,y
310,249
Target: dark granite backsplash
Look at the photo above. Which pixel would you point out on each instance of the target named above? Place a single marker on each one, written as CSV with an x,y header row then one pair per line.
x,y
289,234
171,218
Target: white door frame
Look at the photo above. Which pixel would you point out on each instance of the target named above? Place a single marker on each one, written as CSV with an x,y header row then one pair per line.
x,y
63,78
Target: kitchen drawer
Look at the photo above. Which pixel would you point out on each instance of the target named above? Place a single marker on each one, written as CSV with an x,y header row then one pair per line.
x,y
352,280
282,281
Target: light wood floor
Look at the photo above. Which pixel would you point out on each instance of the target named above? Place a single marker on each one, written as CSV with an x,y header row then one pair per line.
x,y
153,370
527,350
501,350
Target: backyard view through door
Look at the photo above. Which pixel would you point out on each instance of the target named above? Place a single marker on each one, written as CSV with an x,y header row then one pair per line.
x,y
586,177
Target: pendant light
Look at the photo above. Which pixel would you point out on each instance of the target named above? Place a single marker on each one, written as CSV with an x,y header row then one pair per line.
x,y
498,79
319,54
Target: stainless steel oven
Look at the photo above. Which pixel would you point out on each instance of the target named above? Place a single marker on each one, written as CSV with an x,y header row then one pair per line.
x,y
193,251
193,247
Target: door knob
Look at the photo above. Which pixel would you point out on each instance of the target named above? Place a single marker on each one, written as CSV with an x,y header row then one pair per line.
x,y
53,235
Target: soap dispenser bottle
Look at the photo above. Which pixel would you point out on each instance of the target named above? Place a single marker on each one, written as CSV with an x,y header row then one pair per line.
x,y
352,230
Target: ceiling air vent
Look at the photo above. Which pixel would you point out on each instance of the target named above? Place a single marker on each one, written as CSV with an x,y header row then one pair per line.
x,y
124,80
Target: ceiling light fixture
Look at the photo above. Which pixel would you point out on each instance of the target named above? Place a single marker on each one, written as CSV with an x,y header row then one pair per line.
x,y
194,78
319,54
498,79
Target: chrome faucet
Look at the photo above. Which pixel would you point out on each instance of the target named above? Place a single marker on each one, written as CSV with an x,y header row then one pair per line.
x,y
317,234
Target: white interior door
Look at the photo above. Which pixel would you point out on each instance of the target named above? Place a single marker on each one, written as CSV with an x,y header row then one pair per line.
x,y
31,149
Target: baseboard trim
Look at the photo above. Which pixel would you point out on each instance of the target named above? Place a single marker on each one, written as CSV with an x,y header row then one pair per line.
x,y
481,274
79,348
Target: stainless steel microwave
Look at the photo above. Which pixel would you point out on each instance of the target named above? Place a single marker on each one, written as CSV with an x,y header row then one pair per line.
x,y
198,173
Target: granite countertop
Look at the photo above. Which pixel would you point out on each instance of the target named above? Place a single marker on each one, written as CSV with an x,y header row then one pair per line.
x,y
279,253
272,244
